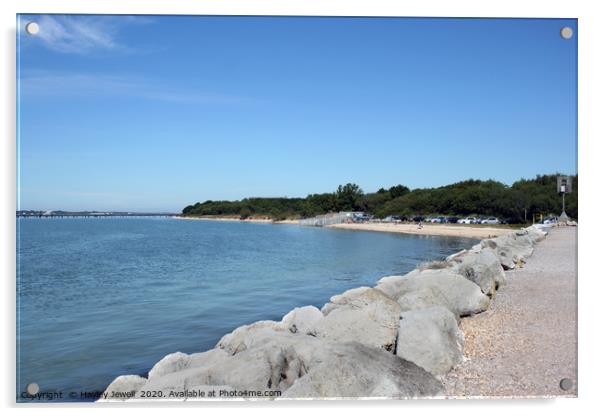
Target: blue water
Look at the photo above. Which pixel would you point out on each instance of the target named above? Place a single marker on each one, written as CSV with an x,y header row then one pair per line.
x,y
98,298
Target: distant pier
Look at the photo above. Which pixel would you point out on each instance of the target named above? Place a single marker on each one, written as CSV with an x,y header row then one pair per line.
x,y
91,214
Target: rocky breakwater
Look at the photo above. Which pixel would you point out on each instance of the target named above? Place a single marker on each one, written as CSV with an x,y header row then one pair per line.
x,y
391,341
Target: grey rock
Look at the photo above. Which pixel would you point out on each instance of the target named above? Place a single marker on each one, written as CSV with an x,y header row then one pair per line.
x,y
365,315
518,247
536,232
431,339
425,297
503,253
482,268
169,364
273,361
302,320
204,359
243,337
354,370
420,289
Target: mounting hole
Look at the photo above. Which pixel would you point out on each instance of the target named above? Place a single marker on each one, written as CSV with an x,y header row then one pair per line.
x,y
32,28
566,32
566,384
32,389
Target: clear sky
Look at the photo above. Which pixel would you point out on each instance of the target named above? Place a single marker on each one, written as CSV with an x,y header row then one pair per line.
x,y
152,113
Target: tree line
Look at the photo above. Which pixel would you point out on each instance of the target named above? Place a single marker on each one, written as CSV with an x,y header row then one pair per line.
x,y
523,199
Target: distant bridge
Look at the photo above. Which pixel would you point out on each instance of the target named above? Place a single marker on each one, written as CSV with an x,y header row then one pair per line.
x,y
59,214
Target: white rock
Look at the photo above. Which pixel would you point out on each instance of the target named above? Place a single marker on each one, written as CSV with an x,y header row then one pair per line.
x,y
365,315
482,268
302,320
431,339
503,253
169,364
243,337
354,370
442,287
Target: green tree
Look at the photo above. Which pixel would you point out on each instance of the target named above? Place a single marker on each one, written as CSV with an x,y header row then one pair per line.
x,y
398,190
348,197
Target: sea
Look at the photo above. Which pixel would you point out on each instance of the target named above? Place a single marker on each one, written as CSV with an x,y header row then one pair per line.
x,y
102,297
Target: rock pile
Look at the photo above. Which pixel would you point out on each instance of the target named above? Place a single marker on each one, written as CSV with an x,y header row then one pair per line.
x,y
391,341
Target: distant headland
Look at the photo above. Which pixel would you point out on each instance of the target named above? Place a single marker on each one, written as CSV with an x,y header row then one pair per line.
x,y
524,201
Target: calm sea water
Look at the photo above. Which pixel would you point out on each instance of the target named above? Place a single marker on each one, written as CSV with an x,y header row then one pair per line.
x,y
98,298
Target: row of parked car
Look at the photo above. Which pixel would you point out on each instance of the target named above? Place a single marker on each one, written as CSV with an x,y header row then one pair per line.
x,y
443,220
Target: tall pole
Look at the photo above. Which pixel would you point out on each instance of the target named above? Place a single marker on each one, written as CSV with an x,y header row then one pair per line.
x,y
563,202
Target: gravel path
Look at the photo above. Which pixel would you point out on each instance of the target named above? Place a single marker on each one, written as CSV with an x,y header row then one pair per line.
x,y
527,341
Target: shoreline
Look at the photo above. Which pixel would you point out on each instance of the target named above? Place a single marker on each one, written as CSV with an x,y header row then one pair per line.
x,y
427,229
235,219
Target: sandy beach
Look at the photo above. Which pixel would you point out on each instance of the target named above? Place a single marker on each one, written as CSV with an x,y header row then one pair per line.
x,y
453,230
526,342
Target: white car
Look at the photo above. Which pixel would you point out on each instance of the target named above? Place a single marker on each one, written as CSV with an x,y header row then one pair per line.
x,y
490,220
467,220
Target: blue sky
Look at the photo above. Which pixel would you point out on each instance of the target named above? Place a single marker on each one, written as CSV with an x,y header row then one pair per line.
x,y
152,113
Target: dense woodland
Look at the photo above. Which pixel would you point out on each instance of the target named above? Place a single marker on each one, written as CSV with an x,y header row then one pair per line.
x,y
471,197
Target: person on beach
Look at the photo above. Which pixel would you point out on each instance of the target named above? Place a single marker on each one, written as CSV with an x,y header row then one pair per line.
x,y
420,225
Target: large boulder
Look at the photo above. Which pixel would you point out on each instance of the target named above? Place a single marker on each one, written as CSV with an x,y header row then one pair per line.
x,y
431,339
169,364
503,253
302,320
482,268
272,361
365,315
520,242
513,248
355,370
536,233
179,361
244,336
442,287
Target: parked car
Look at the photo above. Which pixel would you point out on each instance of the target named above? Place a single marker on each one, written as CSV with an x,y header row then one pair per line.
x,y
362,217
418,218
439,220
467,220
395,218
550,220
490,220
452,220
